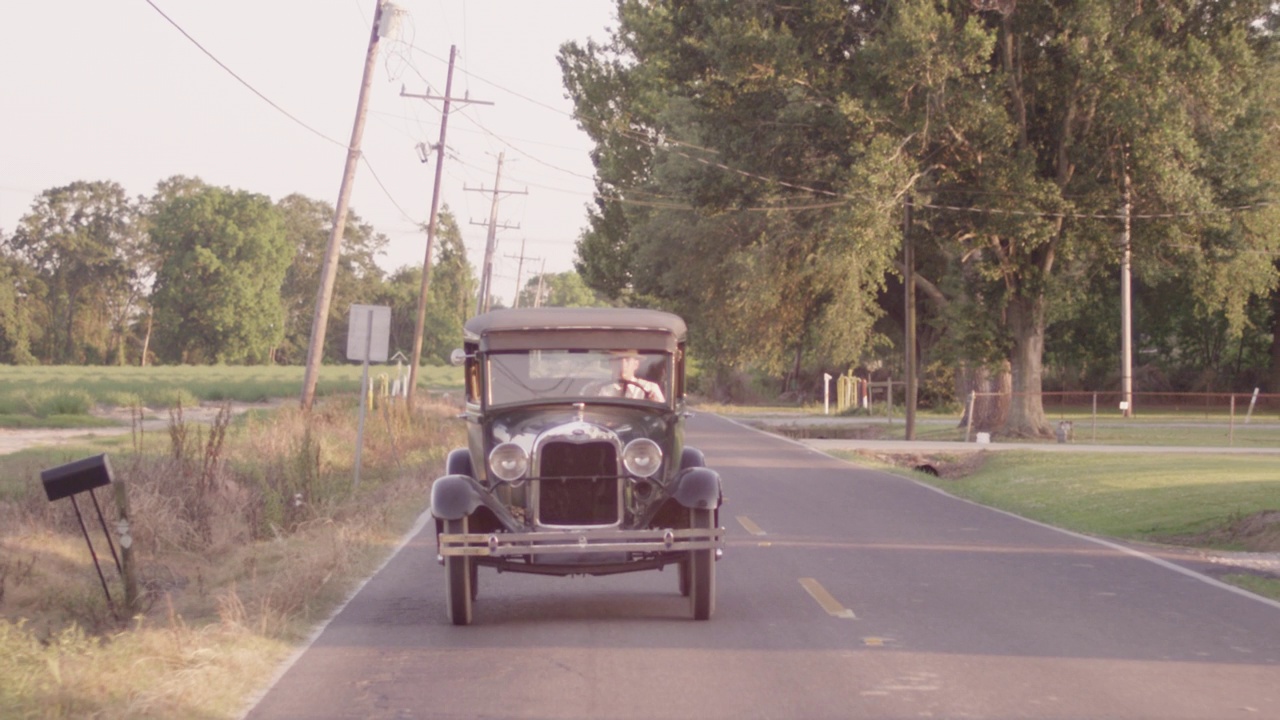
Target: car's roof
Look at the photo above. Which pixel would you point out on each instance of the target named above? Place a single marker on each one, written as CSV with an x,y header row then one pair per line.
x,y
576,327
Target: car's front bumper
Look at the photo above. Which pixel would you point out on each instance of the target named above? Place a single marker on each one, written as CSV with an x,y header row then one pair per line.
x,y
546,542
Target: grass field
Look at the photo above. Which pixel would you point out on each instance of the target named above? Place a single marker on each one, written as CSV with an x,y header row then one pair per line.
x,y
1150,497
64,396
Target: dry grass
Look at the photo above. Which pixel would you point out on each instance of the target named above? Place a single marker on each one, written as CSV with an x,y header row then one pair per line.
x,y
245,534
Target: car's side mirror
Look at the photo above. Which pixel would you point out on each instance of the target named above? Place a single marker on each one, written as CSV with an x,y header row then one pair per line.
x,y
458,357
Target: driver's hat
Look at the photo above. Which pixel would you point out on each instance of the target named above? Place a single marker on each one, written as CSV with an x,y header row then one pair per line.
x,y
631,353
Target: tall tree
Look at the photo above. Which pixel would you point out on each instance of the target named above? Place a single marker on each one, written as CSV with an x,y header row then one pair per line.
x,y
166,190
702,127
1020,130
307,224
1106,108
400,293
217,290
17,327
449,302
453,290
82,241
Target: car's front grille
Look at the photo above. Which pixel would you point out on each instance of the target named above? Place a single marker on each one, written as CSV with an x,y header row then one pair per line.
x,y
578,484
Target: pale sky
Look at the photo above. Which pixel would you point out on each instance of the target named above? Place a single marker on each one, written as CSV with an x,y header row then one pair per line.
x,y
110,90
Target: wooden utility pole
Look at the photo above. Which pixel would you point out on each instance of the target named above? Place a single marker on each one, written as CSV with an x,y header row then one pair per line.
x,y
329,271
419,326
519,272
491,241
909,283
542,274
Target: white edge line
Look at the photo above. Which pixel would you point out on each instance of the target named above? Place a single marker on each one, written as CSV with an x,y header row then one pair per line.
x,y
293,658
1097,541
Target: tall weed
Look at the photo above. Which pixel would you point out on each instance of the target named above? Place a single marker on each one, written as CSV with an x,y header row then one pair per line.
x,y
243,534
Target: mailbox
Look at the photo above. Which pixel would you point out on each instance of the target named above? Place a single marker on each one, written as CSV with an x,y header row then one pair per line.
x,y
76,477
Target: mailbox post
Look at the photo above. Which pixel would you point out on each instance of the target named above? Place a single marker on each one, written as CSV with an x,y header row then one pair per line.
x,y
71,479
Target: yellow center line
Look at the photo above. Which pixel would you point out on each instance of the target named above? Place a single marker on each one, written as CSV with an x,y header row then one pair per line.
x,y
749,526
824,598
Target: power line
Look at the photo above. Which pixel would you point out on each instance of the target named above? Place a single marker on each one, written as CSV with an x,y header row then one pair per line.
x,y
241,80
532,157
277,107
496,85
845,198
385,191
1102,216
566,191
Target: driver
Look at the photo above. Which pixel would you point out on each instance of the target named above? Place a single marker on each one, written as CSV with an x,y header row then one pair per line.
x,y
626,384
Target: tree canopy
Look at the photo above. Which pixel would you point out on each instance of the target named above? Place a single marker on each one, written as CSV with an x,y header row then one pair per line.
x,y
754,159
566,289
450,297
82,249
307,226
217,292
201,274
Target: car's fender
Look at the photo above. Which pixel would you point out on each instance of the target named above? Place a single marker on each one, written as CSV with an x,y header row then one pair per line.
x,y
698,488
453,497
691,457
458,462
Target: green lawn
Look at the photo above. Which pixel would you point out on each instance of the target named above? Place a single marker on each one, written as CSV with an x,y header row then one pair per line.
x,y
1138,496
1195,500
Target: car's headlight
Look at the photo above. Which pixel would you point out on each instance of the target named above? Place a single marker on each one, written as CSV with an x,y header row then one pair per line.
x,y
508,462
642,457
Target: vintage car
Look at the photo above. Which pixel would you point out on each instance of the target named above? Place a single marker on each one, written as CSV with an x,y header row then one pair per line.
x,y
575,461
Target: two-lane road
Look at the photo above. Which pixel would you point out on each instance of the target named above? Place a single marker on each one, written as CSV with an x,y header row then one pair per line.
x,y
844,593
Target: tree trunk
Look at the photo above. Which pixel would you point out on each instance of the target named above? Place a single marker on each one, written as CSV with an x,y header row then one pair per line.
x,y
1275,342
146,340
72,348
991,405
792,381
1026,406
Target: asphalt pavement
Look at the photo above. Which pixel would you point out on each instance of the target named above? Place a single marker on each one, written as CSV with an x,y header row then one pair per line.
x,y
843,592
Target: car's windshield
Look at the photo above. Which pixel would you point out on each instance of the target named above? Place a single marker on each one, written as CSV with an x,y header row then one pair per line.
x,y
559,374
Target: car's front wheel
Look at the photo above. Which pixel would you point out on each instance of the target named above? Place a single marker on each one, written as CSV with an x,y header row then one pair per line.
x,y
459,579
702,569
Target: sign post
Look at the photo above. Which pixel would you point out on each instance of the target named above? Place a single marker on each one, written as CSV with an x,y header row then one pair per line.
x,y
368,335
826,393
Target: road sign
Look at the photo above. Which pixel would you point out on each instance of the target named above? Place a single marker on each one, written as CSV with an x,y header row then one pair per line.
x,y
368,331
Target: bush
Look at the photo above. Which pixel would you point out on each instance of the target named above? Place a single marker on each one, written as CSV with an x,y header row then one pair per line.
x,y
45,403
